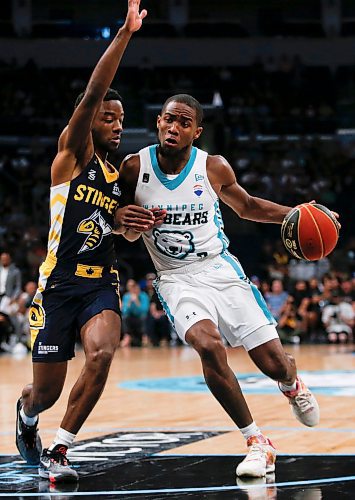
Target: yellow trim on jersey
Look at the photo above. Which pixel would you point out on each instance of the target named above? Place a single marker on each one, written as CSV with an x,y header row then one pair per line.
x,y
58,202
57,218
44,272
48,265
88,271
53,236
58,198
109,176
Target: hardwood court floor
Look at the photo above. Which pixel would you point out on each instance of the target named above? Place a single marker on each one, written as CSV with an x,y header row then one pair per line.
x,y
125,409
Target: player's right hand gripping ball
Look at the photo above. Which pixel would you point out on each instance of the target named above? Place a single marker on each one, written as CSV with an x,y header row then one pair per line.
x,y
310,231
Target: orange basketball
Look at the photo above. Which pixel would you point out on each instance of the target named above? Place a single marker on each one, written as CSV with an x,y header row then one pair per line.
x,y
310,231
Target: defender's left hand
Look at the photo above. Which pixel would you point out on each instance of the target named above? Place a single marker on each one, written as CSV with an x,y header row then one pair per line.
x,y
134,18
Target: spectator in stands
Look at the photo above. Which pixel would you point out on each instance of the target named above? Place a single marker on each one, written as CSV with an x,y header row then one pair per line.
x,y
314,311
157,323
348,292
300,292
338,319
276,298
135,307
23,304
10,279
330,283
278,261
148,286
10,289
289,324
264,287
6,331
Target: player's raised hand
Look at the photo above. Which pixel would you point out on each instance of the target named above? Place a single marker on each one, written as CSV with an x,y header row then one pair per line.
x,y
336,215
134,18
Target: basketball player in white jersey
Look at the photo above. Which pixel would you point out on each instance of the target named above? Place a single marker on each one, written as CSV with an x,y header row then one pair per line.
x,y
202,287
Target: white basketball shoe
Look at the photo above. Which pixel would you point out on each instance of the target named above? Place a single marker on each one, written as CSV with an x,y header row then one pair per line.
x,y
260,459
304,404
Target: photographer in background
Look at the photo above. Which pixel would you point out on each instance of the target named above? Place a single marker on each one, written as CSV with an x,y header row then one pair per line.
x,y
338,319
289,323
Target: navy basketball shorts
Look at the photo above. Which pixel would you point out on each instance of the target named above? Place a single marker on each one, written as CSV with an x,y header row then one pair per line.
x,y
58,313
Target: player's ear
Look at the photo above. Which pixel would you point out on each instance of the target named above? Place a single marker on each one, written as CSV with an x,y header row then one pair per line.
x,y
198,132
158,120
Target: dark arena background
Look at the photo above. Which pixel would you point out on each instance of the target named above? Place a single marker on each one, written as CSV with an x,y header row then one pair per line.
x,y
277,83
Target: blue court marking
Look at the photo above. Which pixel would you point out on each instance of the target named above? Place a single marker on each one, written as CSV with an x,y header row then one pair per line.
x,y
328,382
185,490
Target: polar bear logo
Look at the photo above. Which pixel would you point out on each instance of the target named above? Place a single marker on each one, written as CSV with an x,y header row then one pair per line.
x,y
174,243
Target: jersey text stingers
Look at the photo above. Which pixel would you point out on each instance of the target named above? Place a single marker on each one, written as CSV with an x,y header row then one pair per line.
x,y
82,213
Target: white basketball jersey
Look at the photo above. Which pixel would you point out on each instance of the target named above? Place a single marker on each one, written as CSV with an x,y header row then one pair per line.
x,y
193,228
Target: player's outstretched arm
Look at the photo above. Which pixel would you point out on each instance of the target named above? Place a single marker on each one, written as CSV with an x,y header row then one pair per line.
x,y
76,139
224,182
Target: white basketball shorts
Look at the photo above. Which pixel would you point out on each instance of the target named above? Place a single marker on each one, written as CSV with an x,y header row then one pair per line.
x,y
217,290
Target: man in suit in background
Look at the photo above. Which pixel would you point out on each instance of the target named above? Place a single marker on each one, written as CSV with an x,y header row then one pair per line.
x,y
10,290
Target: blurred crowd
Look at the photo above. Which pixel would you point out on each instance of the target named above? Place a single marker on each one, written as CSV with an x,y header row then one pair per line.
x,y
312,302
276,121
270,96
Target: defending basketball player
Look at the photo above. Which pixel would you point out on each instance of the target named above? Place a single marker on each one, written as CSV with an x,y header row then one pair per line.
x,y
203,287
78,284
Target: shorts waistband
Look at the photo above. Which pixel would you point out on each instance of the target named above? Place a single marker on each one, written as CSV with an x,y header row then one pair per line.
x,y
77,268
193,268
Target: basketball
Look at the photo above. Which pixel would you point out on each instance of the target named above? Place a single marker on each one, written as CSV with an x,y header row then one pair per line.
x,y
310,231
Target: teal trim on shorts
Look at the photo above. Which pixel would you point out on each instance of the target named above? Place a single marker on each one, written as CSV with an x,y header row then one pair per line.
x,y
164,304
257,295
261,301
233,262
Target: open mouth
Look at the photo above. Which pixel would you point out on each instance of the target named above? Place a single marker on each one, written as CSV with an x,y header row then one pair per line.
x,y
170,141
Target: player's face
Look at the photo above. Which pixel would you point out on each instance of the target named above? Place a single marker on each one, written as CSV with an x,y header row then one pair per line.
x,y
108,126
177,128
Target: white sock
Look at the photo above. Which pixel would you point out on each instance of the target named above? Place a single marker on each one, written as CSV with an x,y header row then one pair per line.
x,y
251,430
62,437
288,388
28,420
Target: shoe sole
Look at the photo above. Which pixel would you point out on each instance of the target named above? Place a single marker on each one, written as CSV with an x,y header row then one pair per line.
x,y
58,478
268,469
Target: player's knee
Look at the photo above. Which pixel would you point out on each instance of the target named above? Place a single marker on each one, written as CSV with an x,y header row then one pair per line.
x,y
98,362
208,344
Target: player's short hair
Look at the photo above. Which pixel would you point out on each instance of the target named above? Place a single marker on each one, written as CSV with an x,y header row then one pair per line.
x,y
111,95
189,101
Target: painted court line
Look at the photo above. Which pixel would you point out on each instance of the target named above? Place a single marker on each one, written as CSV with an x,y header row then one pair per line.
x,y
183,490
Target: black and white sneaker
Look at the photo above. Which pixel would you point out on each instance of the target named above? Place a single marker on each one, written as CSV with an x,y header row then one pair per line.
x,y
55,466
28,441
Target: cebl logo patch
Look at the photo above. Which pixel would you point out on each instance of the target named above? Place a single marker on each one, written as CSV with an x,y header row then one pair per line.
x,y
198,189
